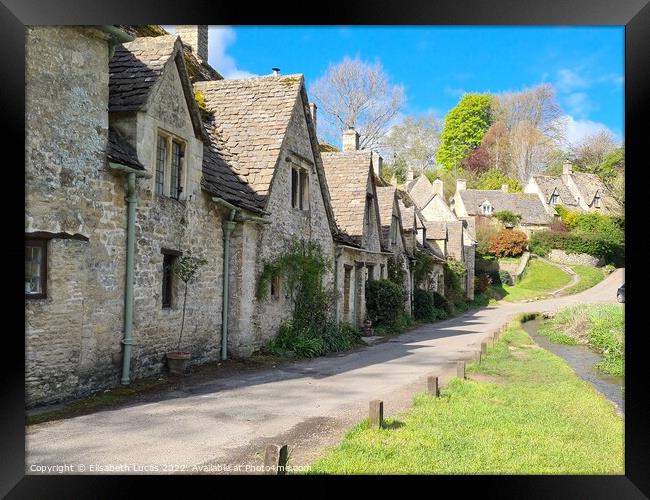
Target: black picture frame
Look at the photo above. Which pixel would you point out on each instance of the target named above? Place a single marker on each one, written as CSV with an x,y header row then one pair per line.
x,y
633,14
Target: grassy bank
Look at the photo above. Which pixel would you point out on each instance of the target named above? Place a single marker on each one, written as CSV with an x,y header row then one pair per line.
x,y
589,276
601,327
525,412
540,278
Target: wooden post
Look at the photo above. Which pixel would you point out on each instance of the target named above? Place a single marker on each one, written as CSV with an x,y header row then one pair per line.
x,y
460,369
484,348
376,414
275,460
478,357
432,386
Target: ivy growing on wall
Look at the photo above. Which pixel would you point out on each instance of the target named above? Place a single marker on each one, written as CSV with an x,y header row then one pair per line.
x,y
454,275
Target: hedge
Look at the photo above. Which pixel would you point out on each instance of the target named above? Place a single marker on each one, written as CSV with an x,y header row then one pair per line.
x,y
597,245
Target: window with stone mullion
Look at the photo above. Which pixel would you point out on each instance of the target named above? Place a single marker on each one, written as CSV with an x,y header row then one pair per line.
x,y
177,154
160,165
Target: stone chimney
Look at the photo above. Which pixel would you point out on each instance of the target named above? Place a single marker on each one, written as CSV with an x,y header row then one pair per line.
x,y
196,36
377,163
312,110
350,140
409,174
504,188
438,188
461,185
567,168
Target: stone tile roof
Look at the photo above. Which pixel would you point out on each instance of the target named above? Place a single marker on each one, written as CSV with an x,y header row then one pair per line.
x,y
529,206
421,191
121,151
347,177
385,200
197,71
252,117
408,215
588,185
219,178
427,249
135,68
548,184
436,230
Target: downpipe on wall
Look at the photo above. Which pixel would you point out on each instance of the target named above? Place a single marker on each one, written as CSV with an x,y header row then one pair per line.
x,y
131,203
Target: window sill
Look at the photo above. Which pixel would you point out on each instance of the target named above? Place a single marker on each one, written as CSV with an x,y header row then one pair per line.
x,y
35,296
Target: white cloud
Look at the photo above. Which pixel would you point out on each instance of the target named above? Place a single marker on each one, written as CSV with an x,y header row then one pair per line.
x,y
219,39
454,92
579,104
578,129
568,80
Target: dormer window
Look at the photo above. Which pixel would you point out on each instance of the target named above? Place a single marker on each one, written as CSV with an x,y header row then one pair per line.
x,y
486,208
170,159
555,198
299,188
597,203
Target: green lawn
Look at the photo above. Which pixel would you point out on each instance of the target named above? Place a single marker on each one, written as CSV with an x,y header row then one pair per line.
x,y
601,327
530,414
589,276
540,278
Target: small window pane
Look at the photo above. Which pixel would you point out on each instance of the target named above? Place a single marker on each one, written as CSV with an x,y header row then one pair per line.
x,y
168,262
304,190
35,270
161,158
177,155
294,188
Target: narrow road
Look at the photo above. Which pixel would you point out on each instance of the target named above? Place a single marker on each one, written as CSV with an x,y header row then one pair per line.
x,y
307,404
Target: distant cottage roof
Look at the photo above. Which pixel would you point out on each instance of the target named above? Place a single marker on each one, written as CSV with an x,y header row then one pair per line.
x,y
421,191
588,185
347,177
529,206
121,151
252,116
548,184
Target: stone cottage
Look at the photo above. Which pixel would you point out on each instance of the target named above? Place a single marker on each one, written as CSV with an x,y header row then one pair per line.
x,y
393,235
473,205
577,191
125,173
361,253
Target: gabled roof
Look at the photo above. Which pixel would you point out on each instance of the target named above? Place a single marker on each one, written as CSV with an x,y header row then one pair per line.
x,y
121,151
548,184
386,197
588,185
529,206
436,230
252,116
420,190
347,175
135,71
219,178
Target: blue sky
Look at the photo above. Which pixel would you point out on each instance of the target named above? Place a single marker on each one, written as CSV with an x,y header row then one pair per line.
x,y
437,64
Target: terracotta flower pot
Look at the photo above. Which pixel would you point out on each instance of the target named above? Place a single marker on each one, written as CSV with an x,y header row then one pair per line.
x,y
177,361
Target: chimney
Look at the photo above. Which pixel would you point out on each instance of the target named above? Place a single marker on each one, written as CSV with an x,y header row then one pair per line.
x,y
312,111
276,71
196,36
504,188
461,185
350,140
438,188
567,168
409,174
377,163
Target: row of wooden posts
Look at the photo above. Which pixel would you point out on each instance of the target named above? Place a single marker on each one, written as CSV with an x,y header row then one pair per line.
x,y
276,457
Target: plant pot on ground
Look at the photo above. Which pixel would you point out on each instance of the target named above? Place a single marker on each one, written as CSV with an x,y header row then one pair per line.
x,y
186,268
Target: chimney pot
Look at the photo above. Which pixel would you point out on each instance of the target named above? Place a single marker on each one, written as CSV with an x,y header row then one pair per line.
x,y
276,71
196,36
504,188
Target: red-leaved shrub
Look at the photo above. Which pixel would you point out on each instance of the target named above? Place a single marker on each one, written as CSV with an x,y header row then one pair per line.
x,y
508,243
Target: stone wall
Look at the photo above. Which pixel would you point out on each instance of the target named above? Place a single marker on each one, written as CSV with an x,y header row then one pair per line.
x,y
574,259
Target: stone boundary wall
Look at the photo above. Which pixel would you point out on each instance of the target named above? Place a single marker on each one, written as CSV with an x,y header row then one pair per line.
x,y
521,268
573,259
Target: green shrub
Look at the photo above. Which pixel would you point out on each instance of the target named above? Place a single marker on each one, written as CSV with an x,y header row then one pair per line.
x,y
505,277
482,283
507,217
454,272
597,245
384,301
306,344
424,306
441,303
508,243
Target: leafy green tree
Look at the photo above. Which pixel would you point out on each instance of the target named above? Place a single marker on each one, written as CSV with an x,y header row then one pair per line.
x,y
494,179
465,126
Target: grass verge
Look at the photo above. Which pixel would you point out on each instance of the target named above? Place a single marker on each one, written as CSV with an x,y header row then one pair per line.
x,y
600,327
589,276
526,413
540,279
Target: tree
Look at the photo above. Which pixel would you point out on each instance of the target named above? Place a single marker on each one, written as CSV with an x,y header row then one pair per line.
x,y
397,169
464,128
186,268
357,94
494,179
534,124
415,141
592,151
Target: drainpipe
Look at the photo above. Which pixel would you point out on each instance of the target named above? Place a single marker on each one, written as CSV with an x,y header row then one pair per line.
x,y
228,227
131,201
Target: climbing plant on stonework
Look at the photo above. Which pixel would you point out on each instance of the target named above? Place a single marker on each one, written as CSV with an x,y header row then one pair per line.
x,y
454,272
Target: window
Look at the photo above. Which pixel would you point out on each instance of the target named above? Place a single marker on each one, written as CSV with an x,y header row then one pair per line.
x,y
371,272
35,269
382,271
554,198
275,287
346,289
167,279
170,155
597,201
299,188
486,208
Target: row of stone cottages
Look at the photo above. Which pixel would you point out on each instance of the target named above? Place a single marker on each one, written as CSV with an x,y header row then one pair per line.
x,y
125,172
